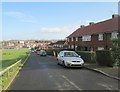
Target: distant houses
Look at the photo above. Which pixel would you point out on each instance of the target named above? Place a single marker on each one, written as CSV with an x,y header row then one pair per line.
x,y
58,44
18,44
95,36
9,44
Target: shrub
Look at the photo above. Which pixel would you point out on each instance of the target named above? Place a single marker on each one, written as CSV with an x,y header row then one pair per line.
x,y
104,58
116,51
87,56
50,52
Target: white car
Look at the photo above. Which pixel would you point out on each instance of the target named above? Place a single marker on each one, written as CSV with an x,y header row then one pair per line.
x,y
43,53
70,59
38,52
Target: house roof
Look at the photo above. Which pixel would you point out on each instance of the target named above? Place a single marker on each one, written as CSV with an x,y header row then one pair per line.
x,y
58,42
100,27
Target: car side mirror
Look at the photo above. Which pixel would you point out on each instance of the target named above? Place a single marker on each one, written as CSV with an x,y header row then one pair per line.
x,y
61,55
80,56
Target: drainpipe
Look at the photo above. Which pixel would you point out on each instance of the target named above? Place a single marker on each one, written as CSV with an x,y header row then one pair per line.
x,y
106,43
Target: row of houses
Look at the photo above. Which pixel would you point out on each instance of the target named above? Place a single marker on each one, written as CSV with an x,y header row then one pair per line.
x,y
95,36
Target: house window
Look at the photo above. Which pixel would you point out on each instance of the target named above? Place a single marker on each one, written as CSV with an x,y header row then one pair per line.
x,y
114,35
100,48
86,38
69,47
72,38
100,37
68,39
76,46
76,38
72,46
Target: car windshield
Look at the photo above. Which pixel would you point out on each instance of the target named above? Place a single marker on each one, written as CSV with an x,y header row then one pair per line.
x,y
44,52
70,54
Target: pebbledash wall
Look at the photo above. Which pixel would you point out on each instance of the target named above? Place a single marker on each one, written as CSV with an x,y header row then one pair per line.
x,y
95,36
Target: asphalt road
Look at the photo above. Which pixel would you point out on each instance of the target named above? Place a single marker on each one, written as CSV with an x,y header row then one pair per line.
x,y
43,73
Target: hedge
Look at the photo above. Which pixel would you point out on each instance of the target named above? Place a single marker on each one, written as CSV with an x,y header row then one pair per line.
x,y
87,56
104,58
51,51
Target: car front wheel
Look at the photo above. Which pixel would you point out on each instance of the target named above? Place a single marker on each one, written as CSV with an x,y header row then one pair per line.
x,y
63,63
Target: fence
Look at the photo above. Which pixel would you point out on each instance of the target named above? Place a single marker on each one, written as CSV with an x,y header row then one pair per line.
x,y
8,75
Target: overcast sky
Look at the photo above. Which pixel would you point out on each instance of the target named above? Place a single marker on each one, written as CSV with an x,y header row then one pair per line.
x,y
50,20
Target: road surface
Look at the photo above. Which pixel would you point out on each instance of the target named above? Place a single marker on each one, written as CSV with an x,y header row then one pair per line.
x,y
43,73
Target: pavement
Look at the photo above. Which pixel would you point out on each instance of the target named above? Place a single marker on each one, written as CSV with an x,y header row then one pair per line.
x,y
43,73
112,72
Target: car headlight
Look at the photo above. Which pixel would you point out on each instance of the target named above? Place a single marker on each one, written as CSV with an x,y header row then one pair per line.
x,y
68,62
82,61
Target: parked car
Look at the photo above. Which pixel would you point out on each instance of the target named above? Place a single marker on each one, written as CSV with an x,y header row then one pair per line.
x,y
38,52
43,53
32,50
70,59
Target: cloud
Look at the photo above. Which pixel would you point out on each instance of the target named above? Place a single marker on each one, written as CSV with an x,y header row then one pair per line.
x,y
29,21
21,16
58,29
15,14
52,29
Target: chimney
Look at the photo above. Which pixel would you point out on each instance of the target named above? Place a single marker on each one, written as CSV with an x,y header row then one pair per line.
x,y
82,26
115,15
91,23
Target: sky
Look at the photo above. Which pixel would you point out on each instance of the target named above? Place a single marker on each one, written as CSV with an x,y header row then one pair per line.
x,y
51,20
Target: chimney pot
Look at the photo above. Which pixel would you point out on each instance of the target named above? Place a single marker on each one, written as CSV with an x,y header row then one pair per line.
x,y
91,23
82,26
115,15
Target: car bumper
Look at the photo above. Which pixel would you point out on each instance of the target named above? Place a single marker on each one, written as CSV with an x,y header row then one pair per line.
x,y
42,55
75,65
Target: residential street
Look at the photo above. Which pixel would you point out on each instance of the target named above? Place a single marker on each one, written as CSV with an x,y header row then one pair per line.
x,y
43,73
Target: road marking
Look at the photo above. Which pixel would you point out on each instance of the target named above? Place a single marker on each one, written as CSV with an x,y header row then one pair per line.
x,y
73,84
59,87
108,87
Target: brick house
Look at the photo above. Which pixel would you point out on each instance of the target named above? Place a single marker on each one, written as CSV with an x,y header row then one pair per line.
x,y
95,36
